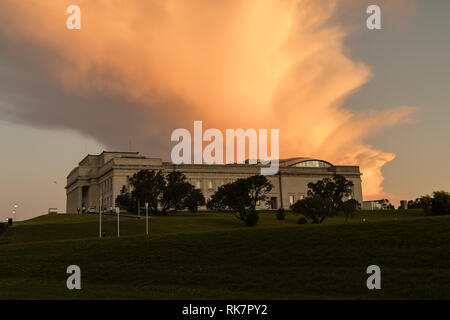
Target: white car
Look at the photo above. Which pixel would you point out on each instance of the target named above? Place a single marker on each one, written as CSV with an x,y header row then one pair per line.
x,y
91,210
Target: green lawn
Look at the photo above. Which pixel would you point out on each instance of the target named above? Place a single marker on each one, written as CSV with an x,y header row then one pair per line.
x,y
214,256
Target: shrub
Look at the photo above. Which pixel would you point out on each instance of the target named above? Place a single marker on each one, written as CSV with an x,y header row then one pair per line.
x,y
252,218
349,208
315,208
302,220
281,215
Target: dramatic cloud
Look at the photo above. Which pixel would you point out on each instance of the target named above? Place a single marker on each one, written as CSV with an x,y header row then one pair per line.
x,y
138,69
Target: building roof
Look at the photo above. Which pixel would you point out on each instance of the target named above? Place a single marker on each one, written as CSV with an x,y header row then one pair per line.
x,y
292,162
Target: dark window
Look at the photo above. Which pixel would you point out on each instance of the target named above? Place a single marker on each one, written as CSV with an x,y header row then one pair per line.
x,y
273,203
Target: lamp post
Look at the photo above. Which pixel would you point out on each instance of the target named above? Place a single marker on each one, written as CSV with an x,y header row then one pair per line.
x,y
146,216
100,214
15,210
118,222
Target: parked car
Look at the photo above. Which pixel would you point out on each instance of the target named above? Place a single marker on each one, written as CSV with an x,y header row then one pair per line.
x,y
91,210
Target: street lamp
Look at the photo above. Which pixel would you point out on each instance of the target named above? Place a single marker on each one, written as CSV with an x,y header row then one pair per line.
x,y
14,211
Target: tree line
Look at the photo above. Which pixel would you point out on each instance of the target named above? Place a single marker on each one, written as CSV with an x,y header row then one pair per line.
x,y
165,193
436,204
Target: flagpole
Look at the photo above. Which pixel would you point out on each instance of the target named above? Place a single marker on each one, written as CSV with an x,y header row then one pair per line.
x,y
100,214
118,224
146,216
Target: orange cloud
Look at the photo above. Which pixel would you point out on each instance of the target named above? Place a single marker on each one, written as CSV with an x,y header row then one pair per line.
x,y
250,64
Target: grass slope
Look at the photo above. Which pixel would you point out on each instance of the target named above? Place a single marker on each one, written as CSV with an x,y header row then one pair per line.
x,y
212,256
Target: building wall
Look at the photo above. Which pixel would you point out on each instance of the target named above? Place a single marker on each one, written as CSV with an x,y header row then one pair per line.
x,y
110,176
372,205
73,197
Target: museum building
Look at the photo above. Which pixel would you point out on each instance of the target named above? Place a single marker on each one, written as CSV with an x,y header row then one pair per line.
x,y
105,174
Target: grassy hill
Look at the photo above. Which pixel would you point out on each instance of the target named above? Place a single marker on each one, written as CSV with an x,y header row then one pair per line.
x,y
213,256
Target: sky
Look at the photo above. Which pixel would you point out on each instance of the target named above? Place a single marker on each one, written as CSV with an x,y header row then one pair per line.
x,y
138,69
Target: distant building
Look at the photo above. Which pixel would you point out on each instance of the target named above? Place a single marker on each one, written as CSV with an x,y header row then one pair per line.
x,y
108,172
403,204
382,204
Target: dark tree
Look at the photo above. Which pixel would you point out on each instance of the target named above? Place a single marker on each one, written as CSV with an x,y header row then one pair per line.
x,y
316,208
424,202
125,201
258,188
349,208
163,193
336,189
194,200
175,192
148,186
240,198
440,203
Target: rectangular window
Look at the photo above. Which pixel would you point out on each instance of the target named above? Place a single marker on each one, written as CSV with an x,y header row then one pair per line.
x,y
273,203
291,200
210,184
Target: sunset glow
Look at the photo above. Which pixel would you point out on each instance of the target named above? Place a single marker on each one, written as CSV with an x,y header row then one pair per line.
x,y
231,64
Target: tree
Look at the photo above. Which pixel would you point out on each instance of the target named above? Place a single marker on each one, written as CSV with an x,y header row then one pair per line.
x,y
440,203
148,186
163,193
326,198
241,197
315,207
335,189
415,204
194,200
258,188
175,192
349,208
426,203
124,200
423,202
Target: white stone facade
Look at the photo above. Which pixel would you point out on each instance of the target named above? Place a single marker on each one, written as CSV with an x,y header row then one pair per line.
x,y
109,172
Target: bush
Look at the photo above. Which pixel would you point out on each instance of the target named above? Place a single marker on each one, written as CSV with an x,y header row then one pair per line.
x,y
252,219
302,220
240,198
349,208
315,208
281,215
440,204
